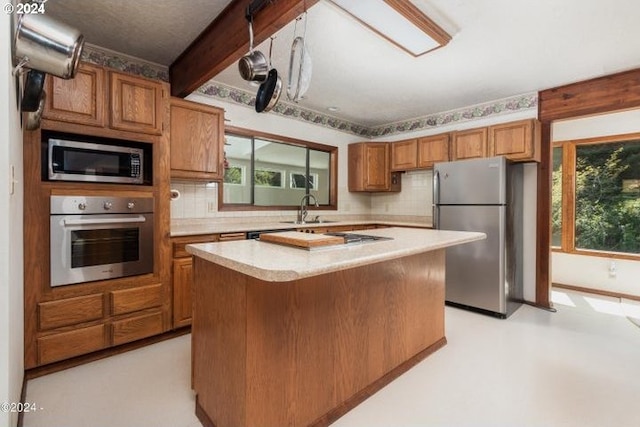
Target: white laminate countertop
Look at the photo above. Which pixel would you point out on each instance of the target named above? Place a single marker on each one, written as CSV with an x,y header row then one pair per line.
x,y
214,227
273,262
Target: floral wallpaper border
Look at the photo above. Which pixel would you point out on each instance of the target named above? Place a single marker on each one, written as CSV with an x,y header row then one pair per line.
x,y
100,56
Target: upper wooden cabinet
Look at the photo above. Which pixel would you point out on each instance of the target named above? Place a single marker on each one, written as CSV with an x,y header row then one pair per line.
x,y
197,141
516,140
79,100
136,104
433,149
420,153
469,144
369,167
105,98
404,155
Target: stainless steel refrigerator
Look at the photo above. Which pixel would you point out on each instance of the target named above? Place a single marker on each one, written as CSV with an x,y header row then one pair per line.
x,y
482,195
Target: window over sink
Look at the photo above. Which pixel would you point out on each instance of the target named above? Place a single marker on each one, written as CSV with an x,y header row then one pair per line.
x,y
271,172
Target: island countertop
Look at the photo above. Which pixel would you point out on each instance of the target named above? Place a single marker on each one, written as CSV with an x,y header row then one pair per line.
x,y
273,262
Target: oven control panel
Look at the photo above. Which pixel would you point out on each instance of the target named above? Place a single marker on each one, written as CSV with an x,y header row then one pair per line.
x,y
69,205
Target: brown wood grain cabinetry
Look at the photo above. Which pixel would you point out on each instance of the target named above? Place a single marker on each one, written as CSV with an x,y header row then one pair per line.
x,y
56,347
197,140
137,327
135,299
469,144
68,321
71,311
404,155
420,153
516,140
370,167
182,271
106,98
182,288
79,100
136,104
433,149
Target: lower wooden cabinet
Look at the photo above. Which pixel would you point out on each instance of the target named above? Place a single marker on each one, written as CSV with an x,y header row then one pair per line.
x,y
70,311
64,345
182,301
136,327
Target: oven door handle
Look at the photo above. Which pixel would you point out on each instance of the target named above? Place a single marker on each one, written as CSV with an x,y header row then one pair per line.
x,y
99,221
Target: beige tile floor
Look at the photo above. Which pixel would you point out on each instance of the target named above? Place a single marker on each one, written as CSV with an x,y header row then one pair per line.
x,y
577,367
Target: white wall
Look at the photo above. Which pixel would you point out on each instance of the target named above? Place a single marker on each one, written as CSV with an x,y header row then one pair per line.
x,y
11,262
588,271
199,200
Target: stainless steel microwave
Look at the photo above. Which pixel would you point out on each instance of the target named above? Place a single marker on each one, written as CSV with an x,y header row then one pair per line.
x,y
85,161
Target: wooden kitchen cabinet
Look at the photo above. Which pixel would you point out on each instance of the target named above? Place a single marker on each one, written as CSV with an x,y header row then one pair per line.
x,y
404,155
80,100
100,97
518,141
182,284
182,270
433,149
136,104
469,144
420,153
369,167
197,141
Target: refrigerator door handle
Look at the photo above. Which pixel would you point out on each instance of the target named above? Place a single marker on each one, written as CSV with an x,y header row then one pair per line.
x,y
436,199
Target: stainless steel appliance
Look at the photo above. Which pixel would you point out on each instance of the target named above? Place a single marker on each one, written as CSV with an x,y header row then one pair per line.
x,y
98,238
482,195
85,161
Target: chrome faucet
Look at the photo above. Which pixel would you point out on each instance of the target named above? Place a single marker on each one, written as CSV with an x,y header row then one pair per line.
x,y
302,213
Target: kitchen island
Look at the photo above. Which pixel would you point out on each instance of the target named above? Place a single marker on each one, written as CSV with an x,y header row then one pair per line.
x,y
284,336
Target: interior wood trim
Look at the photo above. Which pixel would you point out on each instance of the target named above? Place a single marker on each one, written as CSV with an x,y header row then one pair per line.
x,y
226,40
543,221
596,291
596,96
599,95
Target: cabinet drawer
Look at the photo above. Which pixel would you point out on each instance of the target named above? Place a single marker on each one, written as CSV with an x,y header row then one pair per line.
x,y
70,344
55,314
227,237
135,328
179,243
128,300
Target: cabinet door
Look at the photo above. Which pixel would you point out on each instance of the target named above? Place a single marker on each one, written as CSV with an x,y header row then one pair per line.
x,y
182,285
377,176
78,100
516,140
136,104
197,141
469,144
404,155
433,149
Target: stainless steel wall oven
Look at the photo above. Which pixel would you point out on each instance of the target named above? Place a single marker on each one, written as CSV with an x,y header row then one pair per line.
x,y
98,238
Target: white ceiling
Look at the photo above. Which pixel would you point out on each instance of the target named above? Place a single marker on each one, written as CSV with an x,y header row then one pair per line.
x,y
500,48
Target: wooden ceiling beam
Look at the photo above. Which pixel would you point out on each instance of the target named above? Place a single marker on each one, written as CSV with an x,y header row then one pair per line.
x,y
226,40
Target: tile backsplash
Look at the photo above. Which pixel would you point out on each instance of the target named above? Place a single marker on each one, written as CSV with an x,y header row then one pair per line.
x,y
200,200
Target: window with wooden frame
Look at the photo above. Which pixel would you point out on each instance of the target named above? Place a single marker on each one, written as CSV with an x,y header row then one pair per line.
x,y
279,171
596,196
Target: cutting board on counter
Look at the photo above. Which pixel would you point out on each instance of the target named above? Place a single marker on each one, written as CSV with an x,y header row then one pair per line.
x,y
302,240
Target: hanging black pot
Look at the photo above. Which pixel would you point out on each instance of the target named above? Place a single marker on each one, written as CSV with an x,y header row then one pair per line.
x,y
269,92
34,83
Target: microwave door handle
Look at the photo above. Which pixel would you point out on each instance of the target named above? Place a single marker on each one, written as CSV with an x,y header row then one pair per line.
x,y
99,221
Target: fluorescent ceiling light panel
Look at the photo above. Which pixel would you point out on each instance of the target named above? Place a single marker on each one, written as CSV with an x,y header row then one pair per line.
x,y
398,21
